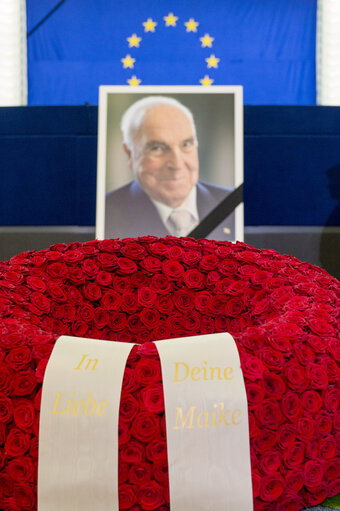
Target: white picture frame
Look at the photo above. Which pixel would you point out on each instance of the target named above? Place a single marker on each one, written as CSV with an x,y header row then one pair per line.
x,y
218,116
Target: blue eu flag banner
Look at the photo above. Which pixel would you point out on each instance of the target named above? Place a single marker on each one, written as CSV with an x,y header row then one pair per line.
x,y
268,47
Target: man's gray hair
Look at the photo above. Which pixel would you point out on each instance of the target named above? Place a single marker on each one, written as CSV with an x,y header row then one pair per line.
x,y
134,116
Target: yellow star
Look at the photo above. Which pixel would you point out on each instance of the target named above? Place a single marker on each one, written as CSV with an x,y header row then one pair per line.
x,y
134,81
170,20
128,61
134,41
149,25
212,61
191,25
207,41
206,81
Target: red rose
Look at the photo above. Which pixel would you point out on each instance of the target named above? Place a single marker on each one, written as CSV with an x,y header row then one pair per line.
x,y
24,497
74,295
133,250
117,321
133,452
311,401
76,275
291,406
295,455
57,292
165,304
24,414
128,407
270,462
36,283
274,385
216,305
103,278
23,383
150,496
101,318
108,261
194,279
269,414
209,262
123,473
150,317
72,256
191,322
328,447
331,399
306,428
172,269
201,300
21,469
191,257
318,376
6,409
322,326
156,450
145,427
256,482
184,300
161,472
255,395
324,424
127,496
86,312
152,398
140,473
17,442
234,307
57,270
294,480
297,378
130,302
146,296
3,433
287,436
92,291
265,440
79,328
126,266
124,435
111,300
40,302
151,264
90,267
271,488
252,367
313,473
147,371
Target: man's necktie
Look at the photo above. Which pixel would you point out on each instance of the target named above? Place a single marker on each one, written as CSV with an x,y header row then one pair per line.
x,y
181,222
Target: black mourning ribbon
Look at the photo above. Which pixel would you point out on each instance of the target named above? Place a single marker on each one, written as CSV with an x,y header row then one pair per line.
x,y
218,214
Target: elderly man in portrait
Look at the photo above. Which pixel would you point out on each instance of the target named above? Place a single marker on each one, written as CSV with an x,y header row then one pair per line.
x,y
166,196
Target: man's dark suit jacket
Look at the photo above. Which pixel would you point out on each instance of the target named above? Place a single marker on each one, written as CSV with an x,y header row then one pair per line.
x,y
130,213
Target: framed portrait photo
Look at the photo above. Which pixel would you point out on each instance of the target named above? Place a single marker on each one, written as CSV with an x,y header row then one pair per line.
x,y
170,162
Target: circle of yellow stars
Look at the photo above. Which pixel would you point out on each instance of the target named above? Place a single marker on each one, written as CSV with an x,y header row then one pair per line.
x,y
170,20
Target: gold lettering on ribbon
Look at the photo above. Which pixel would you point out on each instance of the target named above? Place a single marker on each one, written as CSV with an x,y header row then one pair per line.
x,y
79,407
207,419
94,362
196,373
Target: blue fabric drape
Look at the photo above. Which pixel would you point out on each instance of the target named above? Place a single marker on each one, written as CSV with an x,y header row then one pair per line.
x,y
268,47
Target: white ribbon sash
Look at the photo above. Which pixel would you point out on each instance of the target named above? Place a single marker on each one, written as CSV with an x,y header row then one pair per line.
x,y
207,424
78,439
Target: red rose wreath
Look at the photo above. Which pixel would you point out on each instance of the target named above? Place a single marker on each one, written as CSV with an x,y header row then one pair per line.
x,y
283,314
